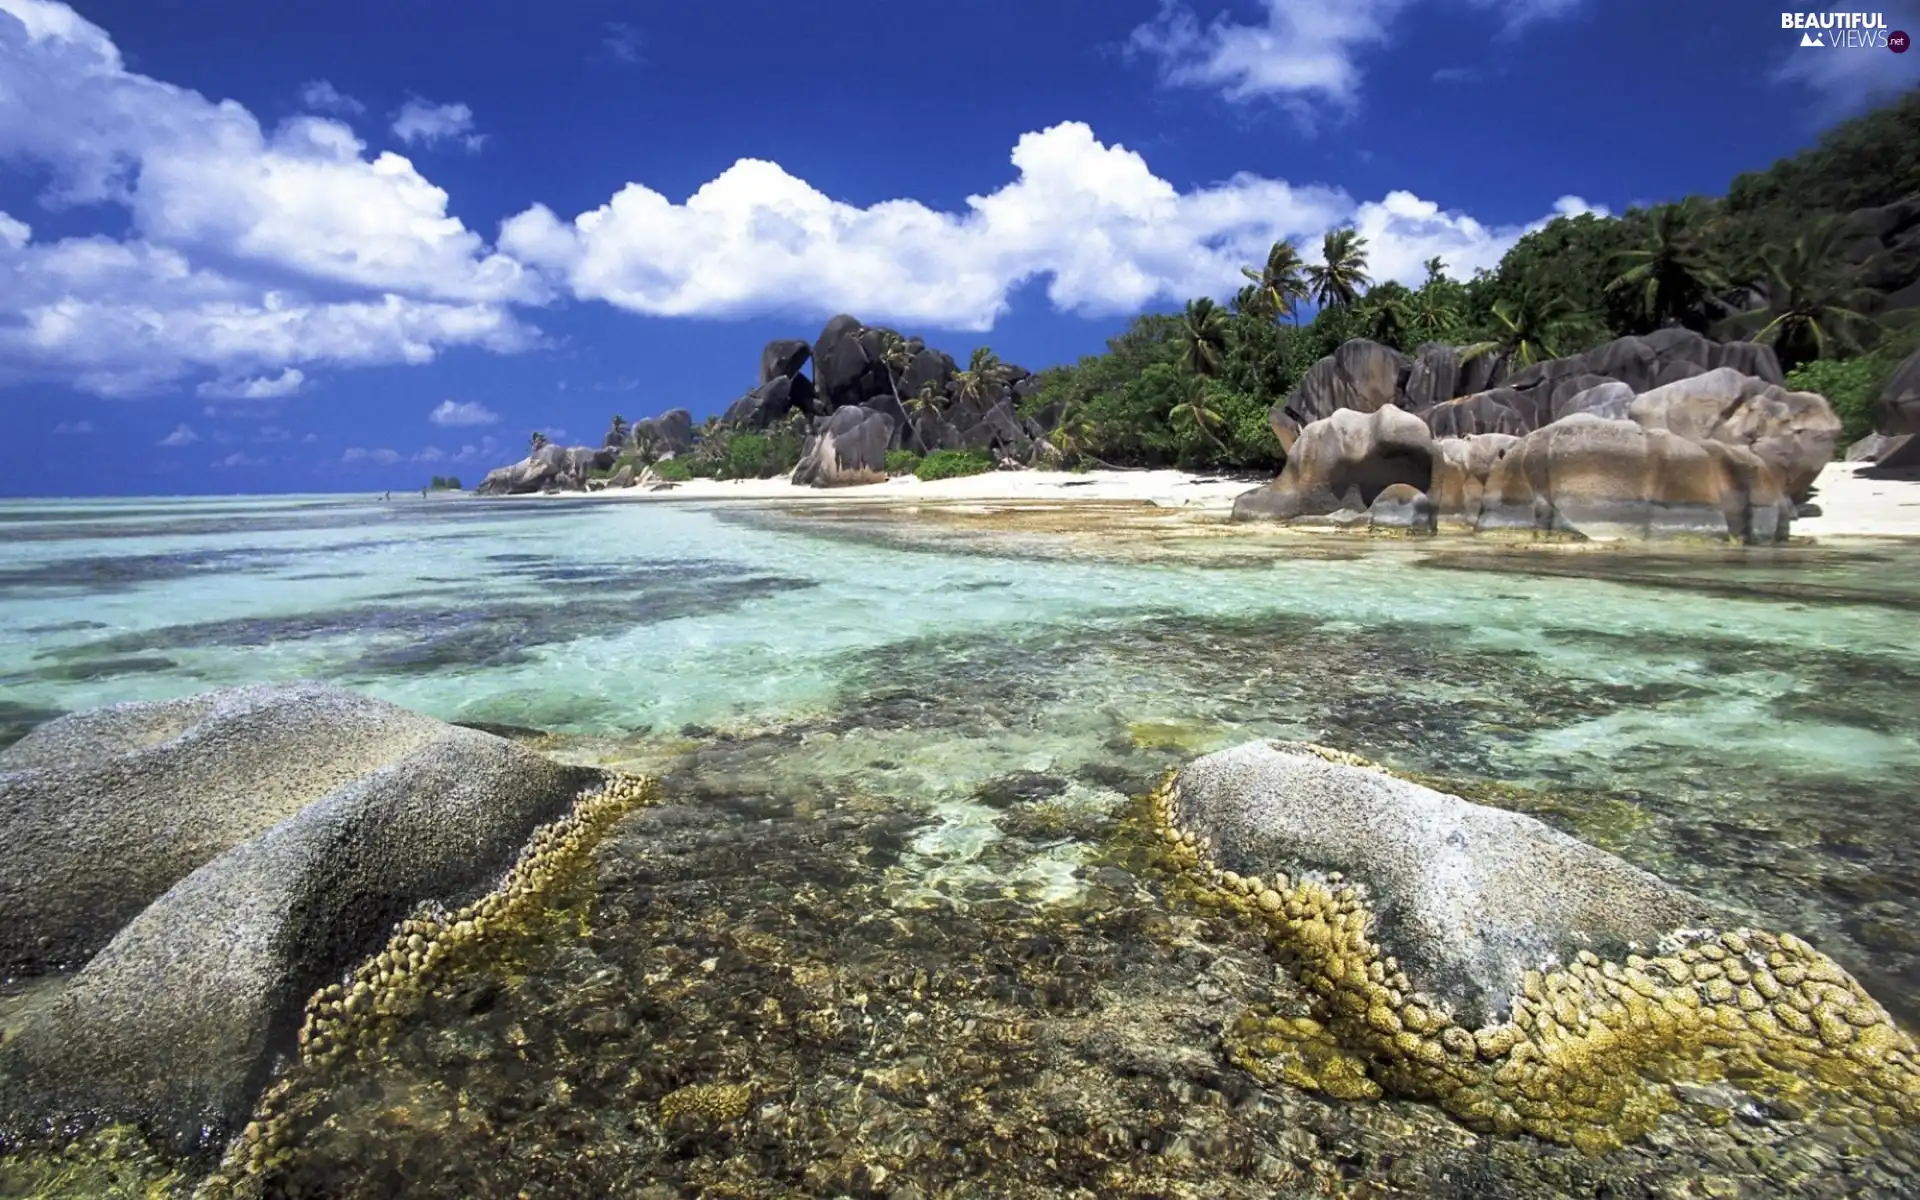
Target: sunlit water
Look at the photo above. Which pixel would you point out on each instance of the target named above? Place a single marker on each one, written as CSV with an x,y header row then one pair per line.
x,y
968,714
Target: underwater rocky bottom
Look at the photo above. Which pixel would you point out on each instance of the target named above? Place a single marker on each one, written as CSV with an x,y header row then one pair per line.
x,y
732,1000
923,944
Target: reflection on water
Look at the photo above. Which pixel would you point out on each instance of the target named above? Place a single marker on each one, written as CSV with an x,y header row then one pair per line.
x,y
893,893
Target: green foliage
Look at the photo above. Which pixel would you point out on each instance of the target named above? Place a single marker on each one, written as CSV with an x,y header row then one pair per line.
x,y
902,462
950,464
445,483
674,470
761,455
1850,386
1341,275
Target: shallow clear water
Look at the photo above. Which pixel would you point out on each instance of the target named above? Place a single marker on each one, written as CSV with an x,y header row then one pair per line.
x,y
1745,723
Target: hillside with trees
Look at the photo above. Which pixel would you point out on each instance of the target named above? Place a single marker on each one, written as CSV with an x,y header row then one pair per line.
x,y
1817,256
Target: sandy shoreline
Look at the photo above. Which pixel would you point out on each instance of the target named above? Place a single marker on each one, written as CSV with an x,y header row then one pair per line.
x,y
1852,504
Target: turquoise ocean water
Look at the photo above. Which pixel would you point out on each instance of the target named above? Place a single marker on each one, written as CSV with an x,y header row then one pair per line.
x,y
1746,724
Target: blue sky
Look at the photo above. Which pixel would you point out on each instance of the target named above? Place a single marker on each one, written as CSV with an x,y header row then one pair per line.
x,y
307,246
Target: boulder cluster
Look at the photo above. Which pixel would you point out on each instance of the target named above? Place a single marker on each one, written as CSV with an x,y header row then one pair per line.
x,y
1671,434
871,390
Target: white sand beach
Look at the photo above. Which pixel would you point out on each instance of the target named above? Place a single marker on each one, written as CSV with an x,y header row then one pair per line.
x,y
1852,504
1855,503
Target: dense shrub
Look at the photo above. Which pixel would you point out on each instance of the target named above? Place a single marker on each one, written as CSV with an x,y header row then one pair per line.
x,y
950,464
902,462
675,470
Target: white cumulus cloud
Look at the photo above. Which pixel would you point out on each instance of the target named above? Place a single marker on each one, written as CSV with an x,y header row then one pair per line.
x,y
73,427
181,436
470,412
424,123
236,232
1110,236
360,455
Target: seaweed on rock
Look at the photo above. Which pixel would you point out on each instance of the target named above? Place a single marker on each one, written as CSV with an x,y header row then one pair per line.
x,y
1591,1051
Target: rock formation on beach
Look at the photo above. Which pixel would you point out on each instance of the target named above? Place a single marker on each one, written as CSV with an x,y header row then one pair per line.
x,y
1518,977
1671,434
872,390
208,863
1893,445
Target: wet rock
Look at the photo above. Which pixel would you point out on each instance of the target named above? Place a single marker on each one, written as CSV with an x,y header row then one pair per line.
x,y
1468,898
1020,787
232,850
1612,480
1402,507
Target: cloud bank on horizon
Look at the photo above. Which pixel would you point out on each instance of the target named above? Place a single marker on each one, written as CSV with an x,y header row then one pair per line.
x,y
256,256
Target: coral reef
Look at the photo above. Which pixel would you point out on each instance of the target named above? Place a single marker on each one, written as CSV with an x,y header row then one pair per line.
x,y
1593,1051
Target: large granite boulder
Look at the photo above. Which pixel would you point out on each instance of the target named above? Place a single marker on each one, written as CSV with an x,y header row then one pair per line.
x,y
1460,470
1487,412
783,356
1343,462
1401,508
1750,358
848,447
1898,409
215,860
1796,431
1432,378
1614,480
550,467
840,362
1469,898
769,403
1361,376
1609,399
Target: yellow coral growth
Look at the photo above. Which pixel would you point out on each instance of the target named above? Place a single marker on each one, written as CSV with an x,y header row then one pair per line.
x,y
348,1020
706,1103
1590,1049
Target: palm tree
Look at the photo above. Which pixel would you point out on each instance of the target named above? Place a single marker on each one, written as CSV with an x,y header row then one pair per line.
x,y
1339,280
536,441
1524,326
1279,285
1386,315
1196,409
1812,302
1436,269
1671,274
896,356
1204,328
1432,315
982,378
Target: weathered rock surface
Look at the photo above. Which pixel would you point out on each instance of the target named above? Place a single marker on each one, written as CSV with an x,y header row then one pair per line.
x,y
227,854
1898,409
1403,508
1488,412
1610,400
1612,480
850,447
783,356
1460,470
1361,376
1796,431
1469,898
1344,462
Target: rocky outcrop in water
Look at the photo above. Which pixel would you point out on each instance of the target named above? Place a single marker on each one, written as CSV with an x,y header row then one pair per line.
x,y
1737,452
1522,979
214,860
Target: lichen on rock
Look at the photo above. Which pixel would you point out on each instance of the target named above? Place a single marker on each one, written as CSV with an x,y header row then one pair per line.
x,y
1586,1050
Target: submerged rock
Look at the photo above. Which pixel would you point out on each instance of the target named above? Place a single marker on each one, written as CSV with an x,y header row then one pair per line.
x,y
232,851
1525,980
